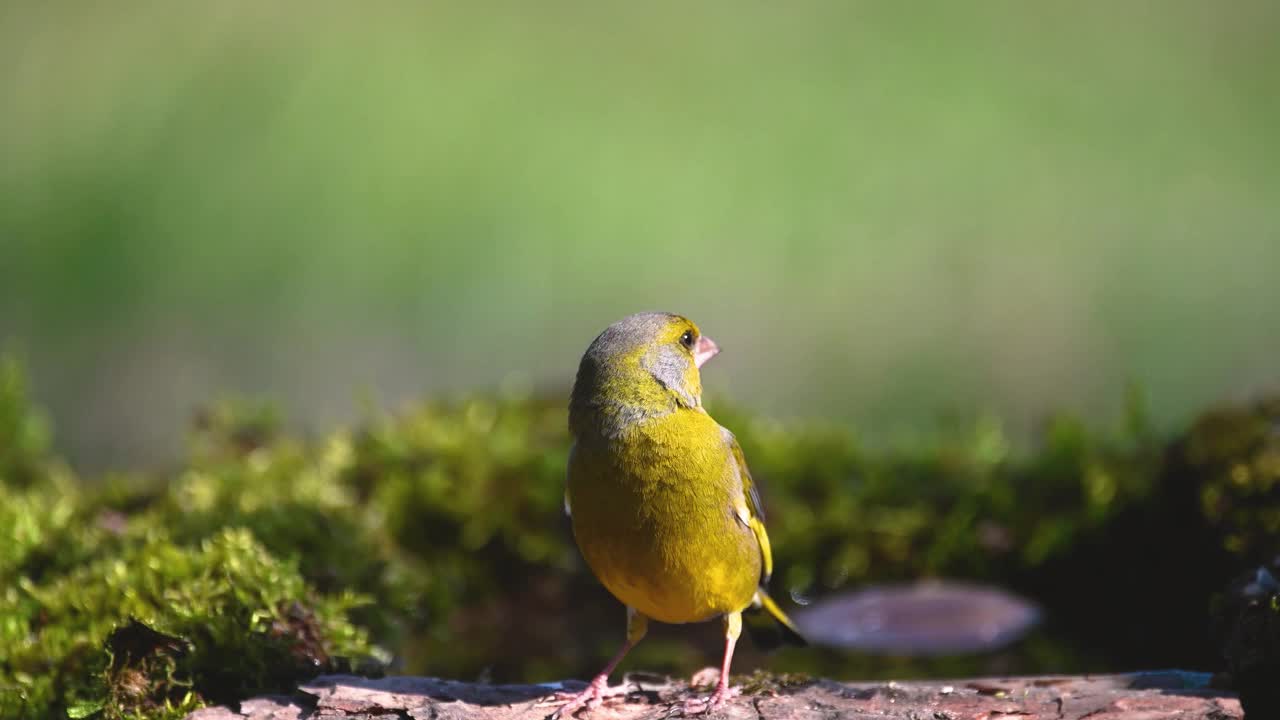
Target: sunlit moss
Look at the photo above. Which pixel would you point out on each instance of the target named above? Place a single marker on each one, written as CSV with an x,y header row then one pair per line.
x,y
240,621
439,534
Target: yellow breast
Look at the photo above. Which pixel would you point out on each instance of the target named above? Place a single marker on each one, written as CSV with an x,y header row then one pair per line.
x,y
653,513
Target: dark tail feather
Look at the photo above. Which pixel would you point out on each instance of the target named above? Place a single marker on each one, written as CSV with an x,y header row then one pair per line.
x,y
769,627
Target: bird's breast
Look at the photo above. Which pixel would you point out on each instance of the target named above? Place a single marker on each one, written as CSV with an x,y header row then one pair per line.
x,y
654,520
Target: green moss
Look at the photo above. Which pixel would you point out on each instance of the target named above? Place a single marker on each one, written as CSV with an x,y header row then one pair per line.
x,y
24,433
1232,457
762,682
240,620
87,570
439,534
966,506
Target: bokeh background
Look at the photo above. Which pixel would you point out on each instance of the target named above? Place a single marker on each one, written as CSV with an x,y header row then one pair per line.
x,y
981,273
884,212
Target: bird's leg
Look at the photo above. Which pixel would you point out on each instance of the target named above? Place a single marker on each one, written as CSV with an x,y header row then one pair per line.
x,y
732,629
637,625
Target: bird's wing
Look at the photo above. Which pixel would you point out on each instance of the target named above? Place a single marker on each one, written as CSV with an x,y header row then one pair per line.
x,y
751,513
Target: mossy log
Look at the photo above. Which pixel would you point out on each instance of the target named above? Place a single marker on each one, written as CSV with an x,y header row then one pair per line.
x,y
1165,694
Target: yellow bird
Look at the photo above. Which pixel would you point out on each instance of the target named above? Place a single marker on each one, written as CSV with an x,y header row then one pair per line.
x,y
663,506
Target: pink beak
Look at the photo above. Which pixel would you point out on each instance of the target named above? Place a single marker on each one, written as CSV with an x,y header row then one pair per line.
x,y
704,350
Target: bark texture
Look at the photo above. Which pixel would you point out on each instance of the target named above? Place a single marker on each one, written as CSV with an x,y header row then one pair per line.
x,y
1164,695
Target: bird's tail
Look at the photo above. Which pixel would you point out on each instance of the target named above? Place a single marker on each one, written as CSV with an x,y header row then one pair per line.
x,y
768,626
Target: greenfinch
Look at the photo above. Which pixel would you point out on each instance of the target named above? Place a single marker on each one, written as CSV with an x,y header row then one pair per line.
x,y
663,507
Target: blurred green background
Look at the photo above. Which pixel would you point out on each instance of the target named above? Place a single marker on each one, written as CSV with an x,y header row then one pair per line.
x,y
895,218
884,212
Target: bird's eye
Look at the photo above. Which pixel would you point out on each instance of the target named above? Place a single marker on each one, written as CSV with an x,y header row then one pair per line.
x,y
687,339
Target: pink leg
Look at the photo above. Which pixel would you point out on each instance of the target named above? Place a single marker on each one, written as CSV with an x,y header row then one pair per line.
x,y
637,625
732,629
722,692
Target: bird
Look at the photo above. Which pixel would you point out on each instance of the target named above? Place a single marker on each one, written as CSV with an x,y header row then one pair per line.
x,y
662,505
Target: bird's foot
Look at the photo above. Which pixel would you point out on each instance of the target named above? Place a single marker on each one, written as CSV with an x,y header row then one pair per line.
x,y
713,702
590,698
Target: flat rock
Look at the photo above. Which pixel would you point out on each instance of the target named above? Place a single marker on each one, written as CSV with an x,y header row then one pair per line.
x,y
1164,695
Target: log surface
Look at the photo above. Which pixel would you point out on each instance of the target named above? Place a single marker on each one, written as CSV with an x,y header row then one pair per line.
x,y
1164,695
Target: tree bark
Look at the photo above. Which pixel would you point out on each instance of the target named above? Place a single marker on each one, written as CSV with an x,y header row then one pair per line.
x,y
1164,695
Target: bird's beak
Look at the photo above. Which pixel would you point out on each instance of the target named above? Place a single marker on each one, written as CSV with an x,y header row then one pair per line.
x,y
704,350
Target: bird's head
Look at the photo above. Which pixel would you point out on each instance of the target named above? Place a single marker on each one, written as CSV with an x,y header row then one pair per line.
x,y
642,366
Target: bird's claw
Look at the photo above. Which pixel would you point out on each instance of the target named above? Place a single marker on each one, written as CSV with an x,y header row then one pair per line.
x,y
590,698
714,701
